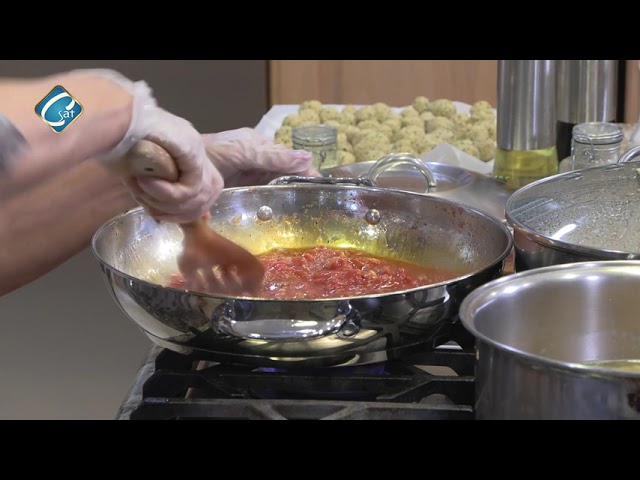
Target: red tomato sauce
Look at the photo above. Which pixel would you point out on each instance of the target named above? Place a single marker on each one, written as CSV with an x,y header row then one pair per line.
x,y
324,272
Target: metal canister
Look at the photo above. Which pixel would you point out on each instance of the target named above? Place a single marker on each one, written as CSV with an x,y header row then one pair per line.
x,y
586,91
526,134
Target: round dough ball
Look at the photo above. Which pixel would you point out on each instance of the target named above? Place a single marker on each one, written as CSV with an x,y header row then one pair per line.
x,y
486,150
343,144
337,125
369,125
309,115
375,153
386,130
382,111
471,150
403,145
427,144
287,143
372,136
366,113
292,120
314,105
352,109
370,141
442,135
420,104
462,142
491,129
283,133
345,158
409,112
477,133
459,120
411,120
351,131
479,116
425,117
394,122
443,108
347,117
480,106
468,147
308,123
439,122
410,132
329,113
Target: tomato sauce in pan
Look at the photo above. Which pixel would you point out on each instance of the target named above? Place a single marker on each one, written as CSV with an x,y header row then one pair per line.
x,y
324,272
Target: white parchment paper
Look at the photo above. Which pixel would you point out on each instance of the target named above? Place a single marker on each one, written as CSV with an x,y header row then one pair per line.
x,y
444,153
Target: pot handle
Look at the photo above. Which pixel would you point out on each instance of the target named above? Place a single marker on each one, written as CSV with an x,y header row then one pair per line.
x,y
229,320
394,159
359,182
630,154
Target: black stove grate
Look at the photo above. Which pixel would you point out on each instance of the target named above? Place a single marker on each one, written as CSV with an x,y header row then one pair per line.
x,y
430,385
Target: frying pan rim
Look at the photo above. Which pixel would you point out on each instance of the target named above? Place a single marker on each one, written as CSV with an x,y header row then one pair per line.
x,y
138,210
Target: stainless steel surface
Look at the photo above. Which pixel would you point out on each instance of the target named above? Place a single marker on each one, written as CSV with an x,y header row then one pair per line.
x,y
137,256
586,90
536,330
526,104
589,214
396,159
451,183
630,154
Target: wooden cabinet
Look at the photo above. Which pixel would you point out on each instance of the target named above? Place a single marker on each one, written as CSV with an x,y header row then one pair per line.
x,y
395,82
398,82
632,92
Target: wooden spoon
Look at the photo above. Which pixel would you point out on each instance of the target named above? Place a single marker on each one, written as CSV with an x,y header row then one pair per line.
x,y
209,262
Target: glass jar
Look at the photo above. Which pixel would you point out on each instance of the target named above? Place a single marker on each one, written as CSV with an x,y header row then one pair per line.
x,y
593,144
321,141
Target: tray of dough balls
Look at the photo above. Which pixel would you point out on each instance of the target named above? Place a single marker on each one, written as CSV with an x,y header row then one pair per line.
x,y
441,130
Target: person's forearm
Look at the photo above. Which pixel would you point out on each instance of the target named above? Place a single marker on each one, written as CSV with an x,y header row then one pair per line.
x,y
47,225
103,123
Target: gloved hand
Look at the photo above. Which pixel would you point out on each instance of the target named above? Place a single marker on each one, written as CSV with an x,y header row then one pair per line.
x,y
244,157
199,184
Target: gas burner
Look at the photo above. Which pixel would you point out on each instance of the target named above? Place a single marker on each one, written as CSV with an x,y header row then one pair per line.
x,y
435,384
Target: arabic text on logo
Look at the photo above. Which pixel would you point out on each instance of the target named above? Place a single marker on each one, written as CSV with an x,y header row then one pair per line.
x,y
58,109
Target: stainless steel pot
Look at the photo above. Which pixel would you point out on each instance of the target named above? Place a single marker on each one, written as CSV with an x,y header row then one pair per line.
x,y
137,255
590,214
538,334
407,172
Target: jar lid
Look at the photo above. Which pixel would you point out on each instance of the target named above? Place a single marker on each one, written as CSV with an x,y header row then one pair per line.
x,y
598,133
315,133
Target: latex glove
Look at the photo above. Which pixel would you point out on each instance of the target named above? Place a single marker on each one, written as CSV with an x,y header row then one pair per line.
x,y
245,157
199,184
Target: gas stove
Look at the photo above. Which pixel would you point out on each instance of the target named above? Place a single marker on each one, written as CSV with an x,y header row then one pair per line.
x,y
436,384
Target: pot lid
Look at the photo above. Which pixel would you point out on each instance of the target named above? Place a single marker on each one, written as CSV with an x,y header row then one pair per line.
x,y
594,211
410,173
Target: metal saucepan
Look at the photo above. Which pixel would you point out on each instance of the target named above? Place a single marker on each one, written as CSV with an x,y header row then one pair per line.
x,y
590,214
137,256
559,342
403,171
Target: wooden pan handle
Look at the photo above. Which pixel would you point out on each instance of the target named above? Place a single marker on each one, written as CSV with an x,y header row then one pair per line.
x,y
148,159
